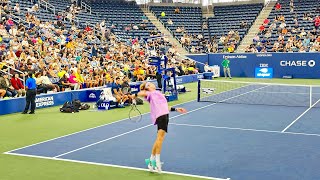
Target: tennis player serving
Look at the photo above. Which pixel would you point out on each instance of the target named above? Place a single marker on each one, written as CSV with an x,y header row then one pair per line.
x,y
160,116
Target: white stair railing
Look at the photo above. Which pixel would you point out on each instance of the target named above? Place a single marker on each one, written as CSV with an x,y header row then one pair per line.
x,y
47,6
86,7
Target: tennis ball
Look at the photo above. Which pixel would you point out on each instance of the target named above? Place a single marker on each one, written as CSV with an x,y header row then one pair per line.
x,y
0,39
163,14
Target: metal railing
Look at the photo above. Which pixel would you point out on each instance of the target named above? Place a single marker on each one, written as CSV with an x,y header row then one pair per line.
x,y
3,2
85,6
47,6
18,19
23,79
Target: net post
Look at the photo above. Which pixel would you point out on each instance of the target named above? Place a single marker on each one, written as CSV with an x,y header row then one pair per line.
x,y
199,85
310,104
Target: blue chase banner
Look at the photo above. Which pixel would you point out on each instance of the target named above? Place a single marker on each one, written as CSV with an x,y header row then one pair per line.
x,y
297,65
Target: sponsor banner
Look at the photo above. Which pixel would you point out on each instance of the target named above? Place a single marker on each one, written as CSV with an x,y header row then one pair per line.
x,y
15,105
297,65
44,101
104,105
263,72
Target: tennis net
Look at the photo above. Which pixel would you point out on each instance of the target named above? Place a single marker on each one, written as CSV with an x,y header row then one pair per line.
x,y
237,92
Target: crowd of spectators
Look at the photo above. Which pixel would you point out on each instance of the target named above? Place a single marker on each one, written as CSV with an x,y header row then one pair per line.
x,y
286,34
203,45
65,59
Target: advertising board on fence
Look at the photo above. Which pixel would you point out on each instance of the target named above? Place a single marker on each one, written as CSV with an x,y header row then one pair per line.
x,y
297,65
263,72
84,95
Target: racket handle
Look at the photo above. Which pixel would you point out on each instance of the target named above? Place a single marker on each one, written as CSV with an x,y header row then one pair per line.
x,y
134,102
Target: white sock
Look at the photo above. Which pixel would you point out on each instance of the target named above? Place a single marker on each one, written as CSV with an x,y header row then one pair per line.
x,y
152,157
158,158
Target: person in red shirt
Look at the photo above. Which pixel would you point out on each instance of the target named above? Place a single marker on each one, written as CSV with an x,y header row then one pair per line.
x,y
278,6
88,29
262,29
317,22
141,53
266,21
17,85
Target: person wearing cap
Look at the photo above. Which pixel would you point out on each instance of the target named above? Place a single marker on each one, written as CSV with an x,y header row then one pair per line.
x,y
5,84
226,67
31,87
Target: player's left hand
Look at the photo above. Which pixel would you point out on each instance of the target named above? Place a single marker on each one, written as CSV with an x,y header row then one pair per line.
x,y
181,110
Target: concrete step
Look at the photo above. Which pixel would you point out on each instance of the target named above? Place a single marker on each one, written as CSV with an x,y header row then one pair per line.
x,y
254,29
164,31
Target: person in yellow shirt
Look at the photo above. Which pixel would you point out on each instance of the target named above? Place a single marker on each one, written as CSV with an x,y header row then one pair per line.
x,y
139,73
79,76
108,78
184,68
190,70
61,73
2,64
70,45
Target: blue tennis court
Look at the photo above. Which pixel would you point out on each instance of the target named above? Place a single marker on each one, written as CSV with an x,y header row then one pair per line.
x,y
236,139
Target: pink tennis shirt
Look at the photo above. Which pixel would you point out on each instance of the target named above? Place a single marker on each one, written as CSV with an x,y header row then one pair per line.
x,y
158,105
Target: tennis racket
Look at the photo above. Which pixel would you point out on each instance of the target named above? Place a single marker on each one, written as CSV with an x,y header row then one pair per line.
x,y
135,114
126,90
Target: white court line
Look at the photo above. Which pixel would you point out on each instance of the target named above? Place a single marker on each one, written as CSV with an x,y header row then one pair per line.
x,y
116,166
284,130
56,157
244,129
75,150
284,92
88,129
195,100
113,137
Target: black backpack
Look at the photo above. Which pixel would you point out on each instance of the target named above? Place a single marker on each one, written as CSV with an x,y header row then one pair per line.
x,y
77,104
68,107
139,101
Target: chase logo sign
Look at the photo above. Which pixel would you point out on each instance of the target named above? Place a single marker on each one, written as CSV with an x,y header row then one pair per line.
x,y
303,63
264,72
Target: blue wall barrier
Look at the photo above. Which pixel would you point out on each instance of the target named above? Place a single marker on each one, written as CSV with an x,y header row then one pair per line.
x,y
297,65
84,95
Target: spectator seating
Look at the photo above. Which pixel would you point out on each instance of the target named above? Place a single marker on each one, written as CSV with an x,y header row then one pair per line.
x,y
190,18
226,19
300,17
123,15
